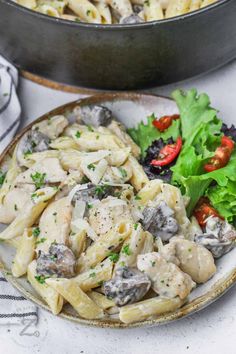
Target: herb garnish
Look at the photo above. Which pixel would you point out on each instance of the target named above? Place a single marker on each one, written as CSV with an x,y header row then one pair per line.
x,y
38,179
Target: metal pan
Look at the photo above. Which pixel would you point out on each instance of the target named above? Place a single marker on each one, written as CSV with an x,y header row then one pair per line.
x,y
119,56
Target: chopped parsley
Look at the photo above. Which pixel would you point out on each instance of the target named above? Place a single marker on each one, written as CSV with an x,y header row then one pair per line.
x,y
36,231
88,12
78,134
41,240
126,250
135,226
100,283
153,263
77,19
2,177
92,275
122,264
89,205
15,207
137,197
90,128
114,257
147,2
38,179
91,166
97,137
28,152
41,278
123,172
84,179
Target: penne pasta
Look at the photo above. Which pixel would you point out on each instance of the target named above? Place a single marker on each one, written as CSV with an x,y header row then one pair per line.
x,y
24,253
101,248
95,277
147,308
27,217
48,294
72,293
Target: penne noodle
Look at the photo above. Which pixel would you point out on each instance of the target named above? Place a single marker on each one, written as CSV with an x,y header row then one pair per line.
x,y
11,175
94,278
72,293
139,178
152,10
85,10
24,254
101,248
102,301
48,294
27,217
142,310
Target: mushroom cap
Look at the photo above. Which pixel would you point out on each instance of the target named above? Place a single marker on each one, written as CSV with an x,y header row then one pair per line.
x,y
60,261
159,221
128,286
131,19
31,141
95,115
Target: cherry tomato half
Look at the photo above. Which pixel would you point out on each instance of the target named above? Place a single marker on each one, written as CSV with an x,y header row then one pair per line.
x,y
164,122
222,155
203,210
168,154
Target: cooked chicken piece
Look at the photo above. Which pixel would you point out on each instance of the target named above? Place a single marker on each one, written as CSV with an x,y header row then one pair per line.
x,y
160,221
14,202
48,170
32,141
129,285
118,128
59,260
167,279
94,115
54,224
191,258
103,215
52,127
220,237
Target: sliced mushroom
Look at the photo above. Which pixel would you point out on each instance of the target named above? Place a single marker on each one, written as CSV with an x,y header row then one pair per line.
x,y
95,115
160,221
167,279
32,141
131,19
220,237
59,261
191,258
90,192
129,285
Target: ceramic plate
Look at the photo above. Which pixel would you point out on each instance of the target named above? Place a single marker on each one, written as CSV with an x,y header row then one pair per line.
x,y
129,108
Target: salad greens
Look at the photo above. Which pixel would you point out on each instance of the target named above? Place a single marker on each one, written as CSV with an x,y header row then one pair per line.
x,y
145,134
201,131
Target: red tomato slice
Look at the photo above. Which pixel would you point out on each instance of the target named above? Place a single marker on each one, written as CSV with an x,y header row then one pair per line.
x,y
168,154
165,122
203,210
222,155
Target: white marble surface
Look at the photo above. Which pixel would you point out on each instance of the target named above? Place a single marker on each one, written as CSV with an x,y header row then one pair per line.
x,y
210,331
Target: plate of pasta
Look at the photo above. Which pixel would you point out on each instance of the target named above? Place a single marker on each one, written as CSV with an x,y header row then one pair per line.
x,y
118,210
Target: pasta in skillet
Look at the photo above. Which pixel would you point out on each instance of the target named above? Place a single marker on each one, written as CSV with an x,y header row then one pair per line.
x,y
89,227
113,11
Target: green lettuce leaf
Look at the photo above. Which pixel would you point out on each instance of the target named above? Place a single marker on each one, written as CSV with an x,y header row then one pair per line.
x,y
196,186
224,200
145,134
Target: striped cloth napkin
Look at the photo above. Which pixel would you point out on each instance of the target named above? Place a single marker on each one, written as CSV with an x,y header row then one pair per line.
x,y
13,307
